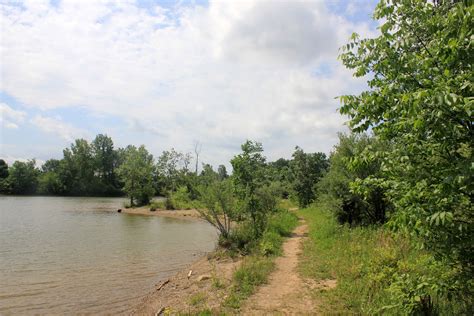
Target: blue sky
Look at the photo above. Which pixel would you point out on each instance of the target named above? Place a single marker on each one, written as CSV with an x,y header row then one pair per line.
x,y
171,73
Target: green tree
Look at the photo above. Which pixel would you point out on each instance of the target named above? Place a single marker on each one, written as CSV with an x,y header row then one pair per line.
x,y
105,163
136,172
222,172
50,183
421,99
219,206
51,165
23,177
307,169
208,175
4,185
169,171
366,204
248,177
3,169
84,164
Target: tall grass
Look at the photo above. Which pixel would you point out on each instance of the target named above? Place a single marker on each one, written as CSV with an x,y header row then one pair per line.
x,y
377,272
257,266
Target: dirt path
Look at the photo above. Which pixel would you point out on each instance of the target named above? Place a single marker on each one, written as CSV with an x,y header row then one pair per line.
x,y
286,293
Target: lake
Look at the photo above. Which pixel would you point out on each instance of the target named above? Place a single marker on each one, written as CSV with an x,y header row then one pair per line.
x,y
78,255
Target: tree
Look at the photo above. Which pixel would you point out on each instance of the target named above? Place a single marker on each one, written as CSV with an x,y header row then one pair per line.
x,y
105,163
23,178
208,175
51,165
50,183
248,178
421,100
136,172
368,203
168,171
4,185
307,169
219,203
104,157
222,172
3,169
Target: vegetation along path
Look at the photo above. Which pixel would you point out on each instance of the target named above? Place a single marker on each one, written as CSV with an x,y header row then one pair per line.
x,y
286,292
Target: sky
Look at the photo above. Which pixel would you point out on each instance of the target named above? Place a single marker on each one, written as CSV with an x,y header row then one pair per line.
x,y
173,73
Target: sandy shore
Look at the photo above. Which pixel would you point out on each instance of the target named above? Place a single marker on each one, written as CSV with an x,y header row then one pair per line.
x,y
184,214
201,285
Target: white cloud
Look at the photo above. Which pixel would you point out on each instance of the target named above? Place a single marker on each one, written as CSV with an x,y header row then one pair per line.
x,y
10,118
218,74
56,126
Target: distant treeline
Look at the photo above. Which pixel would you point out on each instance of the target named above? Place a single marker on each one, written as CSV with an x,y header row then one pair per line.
x,y
97,168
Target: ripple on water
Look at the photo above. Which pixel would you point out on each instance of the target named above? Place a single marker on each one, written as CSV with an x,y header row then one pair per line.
x,y
62,255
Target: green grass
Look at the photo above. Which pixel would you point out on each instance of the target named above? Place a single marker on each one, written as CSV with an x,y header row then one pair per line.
x,y
377,272
256,267
253,272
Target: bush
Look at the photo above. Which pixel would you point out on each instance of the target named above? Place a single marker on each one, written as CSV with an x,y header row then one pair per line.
x,y
241,239
377,272
270,244
180,200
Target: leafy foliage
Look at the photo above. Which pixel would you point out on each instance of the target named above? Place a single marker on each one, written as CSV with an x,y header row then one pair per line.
x,y
307,169
421,100
23,177
219,206
248,176
136,173
341,186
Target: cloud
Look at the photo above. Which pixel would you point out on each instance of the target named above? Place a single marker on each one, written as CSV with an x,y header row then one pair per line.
x,y
10,118
218,74
56,126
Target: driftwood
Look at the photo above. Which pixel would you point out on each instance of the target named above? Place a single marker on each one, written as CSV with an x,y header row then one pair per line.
x,y
162,284
160,311
189,274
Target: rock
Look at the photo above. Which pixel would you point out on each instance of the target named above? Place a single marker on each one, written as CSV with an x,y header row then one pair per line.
x,y
119,210
189,274
203,277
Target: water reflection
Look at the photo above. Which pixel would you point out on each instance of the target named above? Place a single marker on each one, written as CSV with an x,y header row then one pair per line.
x,y
60,255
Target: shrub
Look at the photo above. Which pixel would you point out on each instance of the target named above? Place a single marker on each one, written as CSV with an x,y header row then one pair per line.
x,y
270,244
180,200
241,239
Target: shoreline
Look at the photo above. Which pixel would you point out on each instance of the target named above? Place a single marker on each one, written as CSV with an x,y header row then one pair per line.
x,y
202,284
191,214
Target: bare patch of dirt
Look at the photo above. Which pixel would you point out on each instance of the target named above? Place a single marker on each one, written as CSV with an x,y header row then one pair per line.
x,y
286,292
204,288
184,214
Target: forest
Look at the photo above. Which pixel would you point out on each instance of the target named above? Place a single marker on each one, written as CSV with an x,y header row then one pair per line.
x,y
390,209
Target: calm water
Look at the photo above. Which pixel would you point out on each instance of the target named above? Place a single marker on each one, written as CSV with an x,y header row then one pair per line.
x,y
63,255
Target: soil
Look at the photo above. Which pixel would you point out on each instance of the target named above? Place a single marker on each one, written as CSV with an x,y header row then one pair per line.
x,y
184,214
205,284
286,293
205,288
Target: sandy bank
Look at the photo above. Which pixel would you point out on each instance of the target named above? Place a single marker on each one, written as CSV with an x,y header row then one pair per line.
x,y
203,285
184,214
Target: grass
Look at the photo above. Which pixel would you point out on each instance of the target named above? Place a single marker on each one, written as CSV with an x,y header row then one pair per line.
x,y
257,266
377,272
253,272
